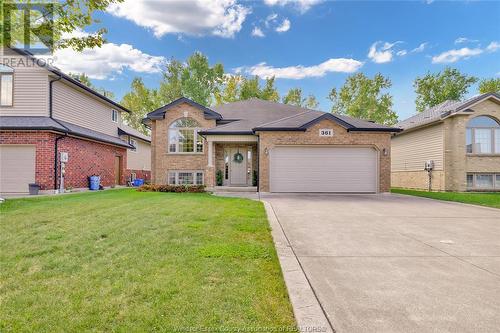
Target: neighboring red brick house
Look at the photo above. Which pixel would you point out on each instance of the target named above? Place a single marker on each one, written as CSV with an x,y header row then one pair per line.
x,y
45,116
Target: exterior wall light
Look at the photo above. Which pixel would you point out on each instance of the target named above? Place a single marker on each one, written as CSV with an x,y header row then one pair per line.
x,y
385,152
266,151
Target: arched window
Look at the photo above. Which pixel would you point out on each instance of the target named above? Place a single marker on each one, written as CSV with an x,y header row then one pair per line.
x,y
483,135
183,136
6,85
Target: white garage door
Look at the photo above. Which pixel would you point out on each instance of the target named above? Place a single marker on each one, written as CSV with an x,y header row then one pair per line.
x,y
17,168
323,169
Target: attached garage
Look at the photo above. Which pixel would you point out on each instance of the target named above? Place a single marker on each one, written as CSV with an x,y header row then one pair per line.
x,y
323,169
17,168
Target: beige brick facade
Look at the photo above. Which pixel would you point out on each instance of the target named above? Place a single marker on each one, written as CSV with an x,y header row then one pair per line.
x,y
378,140
456,162
163,161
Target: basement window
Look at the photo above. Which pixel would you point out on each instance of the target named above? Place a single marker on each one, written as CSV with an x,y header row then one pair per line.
x,y
185,178
483,181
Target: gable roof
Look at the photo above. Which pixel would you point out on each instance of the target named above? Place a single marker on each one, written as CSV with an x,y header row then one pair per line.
x,y
443,110
68,78
127,130
160,112
249,116
32,123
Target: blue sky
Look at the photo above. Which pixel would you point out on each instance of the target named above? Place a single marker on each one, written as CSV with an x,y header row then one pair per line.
x,y
310,44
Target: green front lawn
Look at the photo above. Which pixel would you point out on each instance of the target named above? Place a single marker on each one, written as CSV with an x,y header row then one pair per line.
x,y
130,261
482,199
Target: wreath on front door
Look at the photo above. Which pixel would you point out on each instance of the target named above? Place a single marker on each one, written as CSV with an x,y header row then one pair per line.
x,y
238,157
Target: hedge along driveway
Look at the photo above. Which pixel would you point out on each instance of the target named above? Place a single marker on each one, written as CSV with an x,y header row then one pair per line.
x,y
129,261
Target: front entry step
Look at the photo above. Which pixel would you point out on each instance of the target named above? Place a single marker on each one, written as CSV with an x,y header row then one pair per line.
x,y
233,189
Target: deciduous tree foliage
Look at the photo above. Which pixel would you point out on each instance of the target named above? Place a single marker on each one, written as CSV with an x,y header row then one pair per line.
x,y
238,88
294,97
489,86
363,97
433,89
69,16
140,101
83,78
195,79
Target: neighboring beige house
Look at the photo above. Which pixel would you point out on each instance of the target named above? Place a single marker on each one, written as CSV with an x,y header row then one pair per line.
x,y
139,157
269,147
461,138
46,116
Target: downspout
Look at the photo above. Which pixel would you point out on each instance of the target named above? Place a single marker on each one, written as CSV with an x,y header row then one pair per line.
x,y
258,165
60,136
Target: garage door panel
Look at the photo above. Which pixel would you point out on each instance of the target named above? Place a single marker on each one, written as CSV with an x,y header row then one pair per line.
x,y
323,169
17,168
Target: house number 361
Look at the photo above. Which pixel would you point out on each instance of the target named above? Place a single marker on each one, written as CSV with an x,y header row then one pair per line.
x,y
326,132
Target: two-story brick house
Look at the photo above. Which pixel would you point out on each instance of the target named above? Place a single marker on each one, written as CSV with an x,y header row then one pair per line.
x,y
44,113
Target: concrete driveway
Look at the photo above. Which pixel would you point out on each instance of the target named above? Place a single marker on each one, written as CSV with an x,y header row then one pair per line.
x,y
390,263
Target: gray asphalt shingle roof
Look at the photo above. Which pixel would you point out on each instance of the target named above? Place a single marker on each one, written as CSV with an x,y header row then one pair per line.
x,y
441,110
256,114
49,124
124,129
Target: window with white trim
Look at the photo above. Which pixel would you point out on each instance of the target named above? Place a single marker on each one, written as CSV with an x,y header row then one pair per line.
x,y
114,115
185,178
133,143
6,86
183,136
483,181
483,135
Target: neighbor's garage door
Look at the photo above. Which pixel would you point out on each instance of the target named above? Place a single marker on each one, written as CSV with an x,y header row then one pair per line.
x,y
323,169
17,168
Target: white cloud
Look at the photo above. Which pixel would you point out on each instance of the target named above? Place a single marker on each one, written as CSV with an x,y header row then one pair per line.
x,y
302,5
455,55
284,26
102,63
420,48
493,46
402,53
222,18
299,72
461,40
257,32
381,54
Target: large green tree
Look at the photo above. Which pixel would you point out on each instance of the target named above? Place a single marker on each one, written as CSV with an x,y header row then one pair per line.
x,y
69,18
238,88
489,86
294,97
195,79
363,97
140,101
435,88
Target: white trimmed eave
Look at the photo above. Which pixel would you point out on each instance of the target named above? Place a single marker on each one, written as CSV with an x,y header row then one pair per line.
x,y
231,138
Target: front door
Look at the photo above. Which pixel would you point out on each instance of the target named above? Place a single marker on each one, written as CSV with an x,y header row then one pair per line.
x,y
238,161
118,169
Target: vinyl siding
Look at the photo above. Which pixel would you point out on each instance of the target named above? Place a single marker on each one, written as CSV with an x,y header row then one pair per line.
x,y
411,150
74,105
141,158
31,86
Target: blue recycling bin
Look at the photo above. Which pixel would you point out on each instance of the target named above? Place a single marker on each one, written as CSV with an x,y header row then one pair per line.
x,y
94,182
138,182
